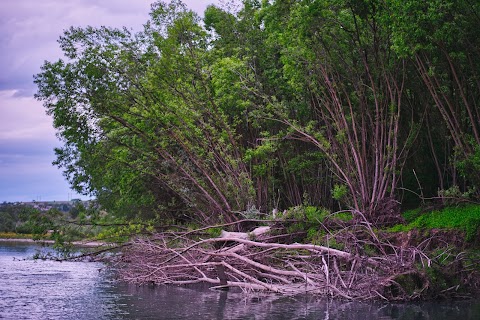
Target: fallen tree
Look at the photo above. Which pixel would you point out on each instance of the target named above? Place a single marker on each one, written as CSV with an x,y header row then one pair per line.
x,y
352,263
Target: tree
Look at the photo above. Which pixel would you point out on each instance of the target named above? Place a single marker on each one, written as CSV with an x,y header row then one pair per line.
x,y
442,39
137,110
276,104
337,57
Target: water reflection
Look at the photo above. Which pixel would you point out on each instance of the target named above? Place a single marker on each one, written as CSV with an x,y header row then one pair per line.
x,y
70,290
166,302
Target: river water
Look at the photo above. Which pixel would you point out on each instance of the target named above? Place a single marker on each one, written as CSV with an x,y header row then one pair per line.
x,y
36,289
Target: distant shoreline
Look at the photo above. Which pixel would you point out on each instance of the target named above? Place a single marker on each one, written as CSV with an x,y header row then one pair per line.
x,y
75,243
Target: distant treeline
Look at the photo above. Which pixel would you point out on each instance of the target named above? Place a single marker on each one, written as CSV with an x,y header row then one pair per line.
x,y
22,217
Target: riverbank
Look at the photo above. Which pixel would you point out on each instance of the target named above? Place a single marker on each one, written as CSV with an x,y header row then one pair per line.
x,y
85,243
432,255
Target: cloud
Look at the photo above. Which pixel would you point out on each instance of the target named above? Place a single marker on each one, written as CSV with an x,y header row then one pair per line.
x,y
27,140
29,30
33,178
27,173
23,118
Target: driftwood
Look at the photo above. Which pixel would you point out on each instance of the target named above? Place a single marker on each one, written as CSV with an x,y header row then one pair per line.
x,y
245,235
243,260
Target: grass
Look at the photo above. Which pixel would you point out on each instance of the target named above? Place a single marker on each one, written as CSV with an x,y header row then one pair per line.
x,y
465,218
13,235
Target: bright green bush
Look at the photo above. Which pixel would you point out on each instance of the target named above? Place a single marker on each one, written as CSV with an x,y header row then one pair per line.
x,y
464,218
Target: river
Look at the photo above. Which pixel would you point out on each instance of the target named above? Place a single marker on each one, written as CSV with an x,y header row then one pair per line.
x,y
36,289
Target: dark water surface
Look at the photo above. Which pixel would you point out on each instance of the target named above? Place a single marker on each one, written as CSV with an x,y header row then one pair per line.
x,y
32,289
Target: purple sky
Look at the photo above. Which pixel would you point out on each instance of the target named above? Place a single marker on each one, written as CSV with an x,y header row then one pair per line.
x,y
29,30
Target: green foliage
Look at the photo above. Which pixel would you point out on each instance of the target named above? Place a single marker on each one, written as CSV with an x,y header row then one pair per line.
x,y
333,243
464,218
308,214
339,192
471,164
14,217
201,121
153,131
13,235
42,222
411,215
312,234
453,195
313,214
311,219
440,36
308,219
122,232
251,212
214,232
343,216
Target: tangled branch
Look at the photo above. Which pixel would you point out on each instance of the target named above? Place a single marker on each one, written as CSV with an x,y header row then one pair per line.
x,y
244,260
